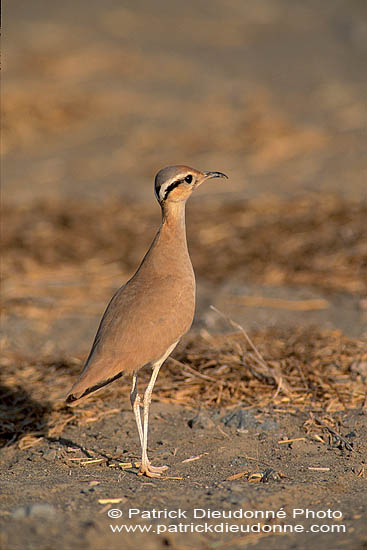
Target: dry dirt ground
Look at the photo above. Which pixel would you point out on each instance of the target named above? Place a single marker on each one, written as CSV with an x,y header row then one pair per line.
x,y
263,405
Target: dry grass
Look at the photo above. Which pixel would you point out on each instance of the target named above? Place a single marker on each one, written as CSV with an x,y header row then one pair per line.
x,y
318,240
305,369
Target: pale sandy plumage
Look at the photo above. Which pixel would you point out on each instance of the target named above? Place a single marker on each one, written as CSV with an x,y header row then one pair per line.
x,y
149,314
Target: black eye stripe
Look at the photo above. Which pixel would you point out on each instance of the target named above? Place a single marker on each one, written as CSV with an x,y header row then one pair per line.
x,y
171,186
174,184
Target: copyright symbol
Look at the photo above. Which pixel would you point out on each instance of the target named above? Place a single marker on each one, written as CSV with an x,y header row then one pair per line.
x,y
114,513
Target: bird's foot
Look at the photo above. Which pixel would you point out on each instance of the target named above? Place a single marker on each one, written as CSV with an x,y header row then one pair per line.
x,y
151,471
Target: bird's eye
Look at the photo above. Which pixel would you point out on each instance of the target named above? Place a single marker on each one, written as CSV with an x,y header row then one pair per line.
x,y
188,178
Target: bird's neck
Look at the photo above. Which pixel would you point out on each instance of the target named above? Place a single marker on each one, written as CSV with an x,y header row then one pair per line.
x,y
173,217
169,247
168,250
170,244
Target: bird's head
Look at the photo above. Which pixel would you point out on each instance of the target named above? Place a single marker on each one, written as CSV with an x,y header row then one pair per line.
x,y
176,183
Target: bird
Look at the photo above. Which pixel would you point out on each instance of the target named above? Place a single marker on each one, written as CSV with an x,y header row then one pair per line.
x,y
149,314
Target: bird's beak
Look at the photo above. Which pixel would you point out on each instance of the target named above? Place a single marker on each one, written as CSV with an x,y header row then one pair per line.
x,y
209,175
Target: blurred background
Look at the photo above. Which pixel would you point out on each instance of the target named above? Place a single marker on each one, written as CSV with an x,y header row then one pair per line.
x,y
98,96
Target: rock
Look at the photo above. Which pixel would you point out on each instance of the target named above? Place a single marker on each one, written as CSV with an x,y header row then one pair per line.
x,y
241,419
87,490
36,510
244,420
239,462
50,455
201,421
120,450
270,475
269,425
236,487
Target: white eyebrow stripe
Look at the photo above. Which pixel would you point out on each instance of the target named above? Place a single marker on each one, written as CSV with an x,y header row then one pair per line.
x,y
163,188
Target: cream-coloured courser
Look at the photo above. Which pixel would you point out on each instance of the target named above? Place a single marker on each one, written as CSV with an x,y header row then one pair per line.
x,y
149,314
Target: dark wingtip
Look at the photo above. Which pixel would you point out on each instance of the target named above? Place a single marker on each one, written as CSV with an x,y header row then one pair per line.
x,y
71,398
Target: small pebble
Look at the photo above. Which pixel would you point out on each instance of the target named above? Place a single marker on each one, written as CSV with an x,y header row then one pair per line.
x,y
50,455
240,419
36,510
201,421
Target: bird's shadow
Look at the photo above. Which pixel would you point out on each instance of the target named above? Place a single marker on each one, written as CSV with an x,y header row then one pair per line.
x,y
68,443
20,414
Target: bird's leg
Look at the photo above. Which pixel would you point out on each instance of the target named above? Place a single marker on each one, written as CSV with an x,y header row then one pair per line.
x,y
146,468
135,403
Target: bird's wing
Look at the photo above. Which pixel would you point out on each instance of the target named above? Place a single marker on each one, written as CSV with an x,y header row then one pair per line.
x,y
138,326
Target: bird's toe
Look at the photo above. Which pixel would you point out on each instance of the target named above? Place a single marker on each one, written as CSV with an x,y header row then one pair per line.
x,y
157,469
151,471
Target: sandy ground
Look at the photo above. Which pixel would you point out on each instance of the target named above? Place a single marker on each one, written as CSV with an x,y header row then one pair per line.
x,y
97,98
74,518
